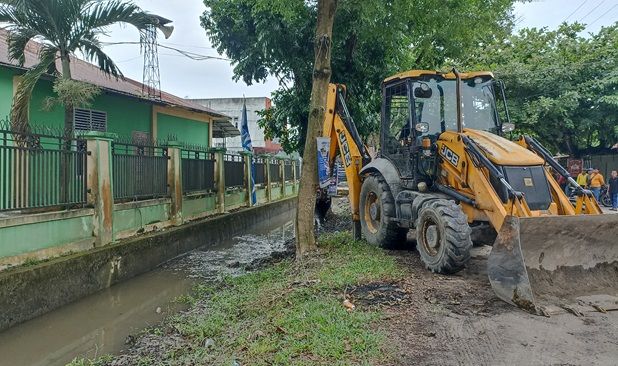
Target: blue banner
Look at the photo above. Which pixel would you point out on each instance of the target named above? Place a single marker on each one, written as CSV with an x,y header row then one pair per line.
x,y
247,146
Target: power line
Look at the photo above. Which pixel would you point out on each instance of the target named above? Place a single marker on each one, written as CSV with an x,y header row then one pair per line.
x,y
188,45
129,60
602,15
575,11
195,56
188,54
593,9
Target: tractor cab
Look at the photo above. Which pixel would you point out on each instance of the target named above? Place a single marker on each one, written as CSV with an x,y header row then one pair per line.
x,y
422,104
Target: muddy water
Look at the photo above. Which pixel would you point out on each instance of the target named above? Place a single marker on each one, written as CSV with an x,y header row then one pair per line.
x,y
101,323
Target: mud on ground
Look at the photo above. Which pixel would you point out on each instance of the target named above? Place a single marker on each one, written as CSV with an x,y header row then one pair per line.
x,y
457,320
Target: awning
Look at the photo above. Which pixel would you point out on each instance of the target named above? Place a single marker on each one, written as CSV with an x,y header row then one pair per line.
x,y
224,128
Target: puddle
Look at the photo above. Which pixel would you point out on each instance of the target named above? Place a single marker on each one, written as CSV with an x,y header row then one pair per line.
x,y
99,324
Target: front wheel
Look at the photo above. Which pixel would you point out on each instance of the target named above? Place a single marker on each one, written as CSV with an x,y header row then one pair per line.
x,y
606,200
377,212
443,237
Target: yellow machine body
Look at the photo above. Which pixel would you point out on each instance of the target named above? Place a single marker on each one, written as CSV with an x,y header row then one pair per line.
x,y
563,256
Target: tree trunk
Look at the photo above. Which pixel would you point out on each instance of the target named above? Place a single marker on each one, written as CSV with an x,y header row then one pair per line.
x,y
68,109
68,134
305,234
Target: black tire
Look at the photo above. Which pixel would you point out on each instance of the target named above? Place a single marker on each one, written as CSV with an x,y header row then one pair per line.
x,y
377,214
606,200
443,237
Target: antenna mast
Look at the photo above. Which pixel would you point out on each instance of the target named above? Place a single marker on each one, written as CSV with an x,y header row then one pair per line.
x,y
151,83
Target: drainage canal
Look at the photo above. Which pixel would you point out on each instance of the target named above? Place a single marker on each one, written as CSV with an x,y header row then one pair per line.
x,y
101,323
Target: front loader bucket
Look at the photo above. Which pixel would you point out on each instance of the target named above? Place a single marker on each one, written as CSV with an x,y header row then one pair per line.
x,y
553,264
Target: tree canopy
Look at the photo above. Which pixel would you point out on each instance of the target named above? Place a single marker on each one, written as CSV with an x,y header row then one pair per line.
x,y
371,40
561,87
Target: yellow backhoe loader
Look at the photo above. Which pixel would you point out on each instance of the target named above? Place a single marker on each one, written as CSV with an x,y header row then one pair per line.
x,y
444,170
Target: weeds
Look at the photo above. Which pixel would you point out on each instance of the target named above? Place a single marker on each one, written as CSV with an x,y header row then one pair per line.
x,y
288,314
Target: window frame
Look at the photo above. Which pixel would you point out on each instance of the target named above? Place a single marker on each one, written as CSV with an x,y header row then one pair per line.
x,y
90,111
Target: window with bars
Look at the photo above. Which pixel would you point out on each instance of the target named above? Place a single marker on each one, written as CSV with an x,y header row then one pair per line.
x,y
89,120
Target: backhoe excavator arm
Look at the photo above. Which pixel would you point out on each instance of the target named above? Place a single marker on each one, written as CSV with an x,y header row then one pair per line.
x,y
345,141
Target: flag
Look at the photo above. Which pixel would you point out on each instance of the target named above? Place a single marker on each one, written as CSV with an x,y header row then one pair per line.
x,y
247,146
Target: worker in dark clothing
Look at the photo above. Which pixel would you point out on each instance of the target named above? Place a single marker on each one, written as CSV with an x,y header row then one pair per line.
x,y
613,189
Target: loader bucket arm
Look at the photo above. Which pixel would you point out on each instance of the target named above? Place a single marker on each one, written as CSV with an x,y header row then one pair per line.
x,y
551,263
585,201
560,259
345,141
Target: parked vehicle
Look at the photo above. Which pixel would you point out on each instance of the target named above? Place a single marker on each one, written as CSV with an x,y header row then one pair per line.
x,y
606,199
444,168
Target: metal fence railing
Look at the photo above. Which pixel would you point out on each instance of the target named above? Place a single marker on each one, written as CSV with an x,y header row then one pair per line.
x,y
234,170
259,168
41,168
275,172
139,171
198,171
287,170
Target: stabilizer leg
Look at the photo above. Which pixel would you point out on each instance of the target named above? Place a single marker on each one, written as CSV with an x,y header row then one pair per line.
x,y
356,230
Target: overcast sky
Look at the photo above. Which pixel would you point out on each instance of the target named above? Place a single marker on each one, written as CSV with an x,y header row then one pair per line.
x,y
213,78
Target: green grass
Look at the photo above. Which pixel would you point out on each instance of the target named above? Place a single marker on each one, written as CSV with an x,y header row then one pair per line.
x,y
288,314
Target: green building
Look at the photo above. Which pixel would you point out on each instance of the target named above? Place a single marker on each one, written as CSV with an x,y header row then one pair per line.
x,y
121,108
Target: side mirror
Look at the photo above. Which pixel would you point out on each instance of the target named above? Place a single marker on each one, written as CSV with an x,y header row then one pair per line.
x,y
423,91
422,127
508,127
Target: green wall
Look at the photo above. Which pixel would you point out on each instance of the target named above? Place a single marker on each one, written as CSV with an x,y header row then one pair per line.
x,y
45,234
6,91
38,115
124,114
192,207
192,132
134,218
235,199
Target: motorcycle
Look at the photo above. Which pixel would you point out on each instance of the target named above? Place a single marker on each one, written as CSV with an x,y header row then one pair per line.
x,y
604,198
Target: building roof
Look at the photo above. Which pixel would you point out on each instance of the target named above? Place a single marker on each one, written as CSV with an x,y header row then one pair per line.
x,y
89,73
450,75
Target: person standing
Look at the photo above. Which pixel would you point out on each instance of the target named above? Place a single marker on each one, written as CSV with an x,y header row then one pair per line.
x,y
596,182
582,178
613,189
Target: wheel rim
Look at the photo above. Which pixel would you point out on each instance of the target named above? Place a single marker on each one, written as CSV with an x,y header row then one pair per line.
x,y
431,239
372,212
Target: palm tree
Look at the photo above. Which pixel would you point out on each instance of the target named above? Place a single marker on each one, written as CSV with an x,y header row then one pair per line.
x,y
63,27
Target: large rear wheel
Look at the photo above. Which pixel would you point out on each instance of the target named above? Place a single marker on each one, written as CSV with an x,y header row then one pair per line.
x,y
443,237
377,211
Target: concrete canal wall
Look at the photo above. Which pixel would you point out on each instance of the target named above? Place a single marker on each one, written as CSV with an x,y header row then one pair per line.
x,y
29,291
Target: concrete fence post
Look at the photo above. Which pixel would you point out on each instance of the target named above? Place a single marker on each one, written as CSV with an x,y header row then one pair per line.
x,y
174,181
220,178
248,159
269,187
294,177
282,176
99,181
